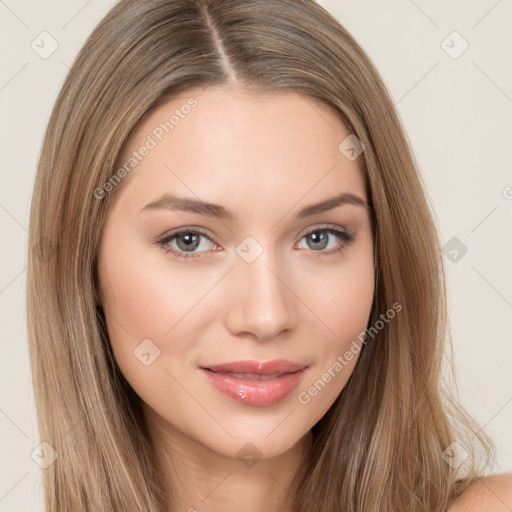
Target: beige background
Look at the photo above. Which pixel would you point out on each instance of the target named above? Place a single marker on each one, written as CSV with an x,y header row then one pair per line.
x,y
458,114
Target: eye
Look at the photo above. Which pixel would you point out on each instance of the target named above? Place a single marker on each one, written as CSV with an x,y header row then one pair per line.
x,y
183,242
323,238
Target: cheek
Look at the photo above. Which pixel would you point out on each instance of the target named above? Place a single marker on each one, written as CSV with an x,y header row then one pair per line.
x,y
341,299
349,310
343,307
147,297
137,301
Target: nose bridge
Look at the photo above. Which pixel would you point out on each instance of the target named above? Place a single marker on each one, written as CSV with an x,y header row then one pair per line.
x,y
261,303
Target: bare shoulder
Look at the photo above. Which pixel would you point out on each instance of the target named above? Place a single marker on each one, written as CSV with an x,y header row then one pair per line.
x,y
487,494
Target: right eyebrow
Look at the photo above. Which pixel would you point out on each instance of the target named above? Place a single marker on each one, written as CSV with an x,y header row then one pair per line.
x,y
185,204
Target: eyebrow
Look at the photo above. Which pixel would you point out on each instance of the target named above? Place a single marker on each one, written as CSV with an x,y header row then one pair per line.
x,y
173,203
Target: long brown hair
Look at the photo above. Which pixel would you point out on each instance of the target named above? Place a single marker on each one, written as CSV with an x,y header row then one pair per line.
x,y
382,445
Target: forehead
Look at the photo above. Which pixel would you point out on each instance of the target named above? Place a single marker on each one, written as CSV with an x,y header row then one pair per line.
x,y
232,143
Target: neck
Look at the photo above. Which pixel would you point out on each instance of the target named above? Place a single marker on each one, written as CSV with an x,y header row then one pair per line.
x,y
197,478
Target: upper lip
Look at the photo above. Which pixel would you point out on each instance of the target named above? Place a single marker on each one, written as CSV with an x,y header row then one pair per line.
x,y
258,368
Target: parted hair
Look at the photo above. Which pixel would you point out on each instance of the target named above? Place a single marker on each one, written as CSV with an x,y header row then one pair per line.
x,y
382,445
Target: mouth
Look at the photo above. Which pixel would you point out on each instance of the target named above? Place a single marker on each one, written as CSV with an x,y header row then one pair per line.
x,y
253,383
250,376
275,368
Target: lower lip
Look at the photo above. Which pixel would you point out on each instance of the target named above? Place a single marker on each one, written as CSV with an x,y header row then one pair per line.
x,y
258,393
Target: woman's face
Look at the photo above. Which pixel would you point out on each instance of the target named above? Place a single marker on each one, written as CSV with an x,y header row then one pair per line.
x,y
260,276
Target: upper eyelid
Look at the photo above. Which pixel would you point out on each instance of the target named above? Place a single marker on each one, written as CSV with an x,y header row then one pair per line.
x,y
325,227
186,229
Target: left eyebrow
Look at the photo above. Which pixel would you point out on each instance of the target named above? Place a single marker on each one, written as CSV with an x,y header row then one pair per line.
x,y
333,202
170,202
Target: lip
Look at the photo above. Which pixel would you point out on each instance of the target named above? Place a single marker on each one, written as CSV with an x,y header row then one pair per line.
x,y
257,393
257,367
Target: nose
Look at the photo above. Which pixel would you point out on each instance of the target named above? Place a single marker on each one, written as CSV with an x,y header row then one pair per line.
x,y
262,303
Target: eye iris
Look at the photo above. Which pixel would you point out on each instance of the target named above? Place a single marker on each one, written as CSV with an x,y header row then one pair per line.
x,y
318,237
191,241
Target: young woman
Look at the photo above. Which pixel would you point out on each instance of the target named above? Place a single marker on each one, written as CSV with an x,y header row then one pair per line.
x,y
238,300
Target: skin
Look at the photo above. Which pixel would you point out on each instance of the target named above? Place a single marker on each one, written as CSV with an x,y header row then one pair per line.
x,y
264,156
489,494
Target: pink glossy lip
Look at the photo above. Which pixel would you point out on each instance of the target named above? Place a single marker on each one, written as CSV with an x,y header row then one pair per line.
x,y
259,393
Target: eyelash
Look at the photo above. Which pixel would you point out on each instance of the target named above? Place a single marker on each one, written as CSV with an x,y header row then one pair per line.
x,y
346,240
